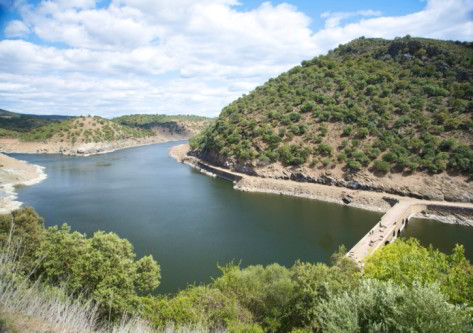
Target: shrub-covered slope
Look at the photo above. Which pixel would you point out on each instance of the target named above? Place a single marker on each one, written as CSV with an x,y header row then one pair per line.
x,y
83,130
179,124
402,105
11,122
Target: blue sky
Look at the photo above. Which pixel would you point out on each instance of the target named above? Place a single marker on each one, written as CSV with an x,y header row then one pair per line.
x,y
115,57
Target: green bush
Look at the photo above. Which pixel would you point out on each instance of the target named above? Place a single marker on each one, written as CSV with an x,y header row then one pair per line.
x,y
382,166
354,165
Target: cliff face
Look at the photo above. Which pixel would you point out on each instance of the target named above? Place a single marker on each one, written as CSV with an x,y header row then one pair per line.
x,y
393,116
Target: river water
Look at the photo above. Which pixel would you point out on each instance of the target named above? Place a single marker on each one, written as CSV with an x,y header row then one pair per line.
x,y
190,222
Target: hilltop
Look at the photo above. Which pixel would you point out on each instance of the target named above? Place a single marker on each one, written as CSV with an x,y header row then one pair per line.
x,y
384,115
86,135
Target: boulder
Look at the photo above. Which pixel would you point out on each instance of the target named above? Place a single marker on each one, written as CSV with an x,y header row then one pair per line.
x,y
347,199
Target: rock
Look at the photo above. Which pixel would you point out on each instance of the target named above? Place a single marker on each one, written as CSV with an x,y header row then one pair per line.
x,y
326,180
347,199
390,201
354,185
299,177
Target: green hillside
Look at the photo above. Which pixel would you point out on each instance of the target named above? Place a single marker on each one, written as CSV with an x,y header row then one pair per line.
x,y
175,124
18,122
80,130
96,129
402,105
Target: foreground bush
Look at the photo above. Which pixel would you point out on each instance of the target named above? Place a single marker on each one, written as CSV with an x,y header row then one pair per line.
x,y
102,266
405,262
382,307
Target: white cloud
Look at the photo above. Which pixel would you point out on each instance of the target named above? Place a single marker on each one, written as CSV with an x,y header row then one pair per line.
x,y
179,56
333,20
16,28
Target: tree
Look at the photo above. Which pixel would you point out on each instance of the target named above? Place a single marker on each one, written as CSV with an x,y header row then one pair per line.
x,y
26,229
102,266
407,261
263,290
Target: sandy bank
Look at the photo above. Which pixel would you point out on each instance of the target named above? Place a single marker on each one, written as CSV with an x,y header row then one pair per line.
x,y
14,173
368,200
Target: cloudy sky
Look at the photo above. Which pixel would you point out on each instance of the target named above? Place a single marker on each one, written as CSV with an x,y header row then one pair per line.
x,y
114,57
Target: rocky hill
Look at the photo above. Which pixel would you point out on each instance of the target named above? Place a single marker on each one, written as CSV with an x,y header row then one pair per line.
x,y
87,135
179,124
386,115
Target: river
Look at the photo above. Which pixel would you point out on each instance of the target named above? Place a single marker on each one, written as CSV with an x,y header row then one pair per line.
x,y
190,222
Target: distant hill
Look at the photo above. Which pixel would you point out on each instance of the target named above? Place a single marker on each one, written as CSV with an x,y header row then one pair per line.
x,y
179,124
387,106
96,129
87,135
84,130
26,122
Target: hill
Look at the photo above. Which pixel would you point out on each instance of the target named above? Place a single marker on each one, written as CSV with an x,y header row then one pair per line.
x,y
180,124
386,114
93,134
11,121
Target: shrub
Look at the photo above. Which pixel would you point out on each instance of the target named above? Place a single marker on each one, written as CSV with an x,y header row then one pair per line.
x,y
363,132
378,306
295,117
324,149
347,130
382,166
354,165
308,107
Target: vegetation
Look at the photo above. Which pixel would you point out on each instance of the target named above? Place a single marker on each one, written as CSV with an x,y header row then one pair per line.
x,y
406,288
11,122
95,129
175,124
80,130
404,105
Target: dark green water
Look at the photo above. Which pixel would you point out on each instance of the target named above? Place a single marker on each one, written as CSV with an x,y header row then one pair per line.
x,y
189,222
442,236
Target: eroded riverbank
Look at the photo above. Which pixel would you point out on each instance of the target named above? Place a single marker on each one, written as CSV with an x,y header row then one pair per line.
x,y
368,200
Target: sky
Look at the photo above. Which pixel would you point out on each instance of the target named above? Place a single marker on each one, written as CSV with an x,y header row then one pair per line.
x,y
115,57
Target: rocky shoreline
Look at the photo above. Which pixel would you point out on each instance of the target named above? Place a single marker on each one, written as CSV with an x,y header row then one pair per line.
x,y
438,187
323,189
